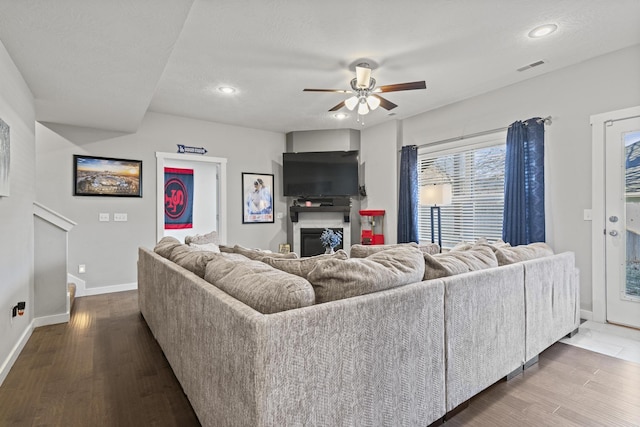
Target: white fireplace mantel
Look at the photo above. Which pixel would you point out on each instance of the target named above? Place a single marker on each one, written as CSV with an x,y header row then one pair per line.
x,y
324,219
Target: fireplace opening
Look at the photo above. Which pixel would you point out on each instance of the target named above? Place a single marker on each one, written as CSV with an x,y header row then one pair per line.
x,y
310,243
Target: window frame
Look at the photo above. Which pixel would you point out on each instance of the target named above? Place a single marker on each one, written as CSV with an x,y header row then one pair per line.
x,y
449,147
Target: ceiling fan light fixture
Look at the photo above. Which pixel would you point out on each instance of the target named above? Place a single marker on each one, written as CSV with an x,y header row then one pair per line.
x,y
363,76
362,108
351,103
373,102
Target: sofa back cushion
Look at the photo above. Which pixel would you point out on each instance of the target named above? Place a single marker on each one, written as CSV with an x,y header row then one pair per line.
x,y
455,262
302,266
512,254
191,259
166,245
258,254
335,279
201,239
260,286
363,251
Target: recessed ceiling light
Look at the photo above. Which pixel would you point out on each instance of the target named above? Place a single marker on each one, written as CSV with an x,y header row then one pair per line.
x,y
543,30
340,116
227,89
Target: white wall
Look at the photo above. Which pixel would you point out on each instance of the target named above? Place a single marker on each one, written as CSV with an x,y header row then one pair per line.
x,y
379,153
570,96
109,249
16,212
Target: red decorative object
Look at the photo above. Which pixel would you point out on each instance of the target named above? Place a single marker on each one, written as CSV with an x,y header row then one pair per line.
x,y
374,233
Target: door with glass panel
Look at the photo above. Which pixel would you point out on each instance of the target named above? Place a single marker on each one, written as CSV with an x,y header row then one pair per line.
x,y
622,198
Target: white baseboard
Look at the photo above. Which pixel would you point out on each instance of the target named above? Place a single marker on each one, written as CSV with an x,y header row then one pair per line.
x,y
586,314
110,289
82,290
15,352
54,319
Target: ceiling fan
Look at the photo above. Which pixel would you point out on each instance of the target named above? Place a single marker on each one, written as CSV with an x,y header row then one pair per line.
x,y
365,93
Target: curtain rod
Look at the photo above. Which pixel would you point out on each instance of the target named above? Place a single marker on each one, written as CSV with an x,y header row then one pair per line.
x,y
546,121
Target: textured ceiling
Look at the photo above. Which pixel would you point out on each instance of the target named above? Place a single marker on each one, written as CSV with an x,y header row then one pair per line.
x,y
103,64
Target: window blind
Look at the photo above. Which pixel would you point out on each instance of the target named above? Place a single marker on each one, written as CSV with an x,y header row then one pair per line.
x,y
475,170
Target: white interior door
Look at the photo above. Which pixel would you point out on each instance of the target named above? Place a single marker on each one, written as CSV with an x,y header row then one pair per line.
x,y
622,221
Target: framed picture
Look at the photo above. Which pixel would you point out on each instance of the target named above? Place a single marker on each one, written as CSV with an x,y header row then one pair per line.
x,y
104,176
257,198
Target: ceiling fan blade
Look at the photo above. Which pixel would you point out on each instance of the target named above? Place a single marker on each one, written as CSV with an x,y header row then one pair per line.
x,y
327,90
403,86
385,103
337,107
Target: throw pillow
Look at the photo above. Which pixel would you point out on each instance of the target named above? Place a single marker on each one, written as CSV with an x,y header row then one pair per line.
x,y
302,266
203,238
258,254
210,247
457,262
335,279
191,259
166,245
259,285
512,254
363,251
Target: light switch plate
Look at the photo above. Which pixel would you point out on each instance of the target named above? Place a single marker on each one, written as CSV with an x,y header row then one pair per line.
x,y
587,215
120,217
103,217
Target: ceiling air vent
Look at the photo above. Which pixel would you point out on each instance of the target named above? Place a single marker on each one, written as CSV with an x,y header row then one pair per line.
x,y
533,64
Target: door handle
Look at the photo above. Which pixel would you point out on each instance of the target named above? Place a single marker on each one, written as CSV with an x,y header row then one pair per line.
x,y
613,218
613,233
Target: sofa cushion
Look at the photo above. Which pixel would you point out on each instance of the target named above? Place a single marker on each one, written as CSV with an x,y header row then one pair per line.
x,y
260,286
166,245
512,254
363,251
465,246
334,278
258,254
302,266
210,247
191,259
203,238
451,263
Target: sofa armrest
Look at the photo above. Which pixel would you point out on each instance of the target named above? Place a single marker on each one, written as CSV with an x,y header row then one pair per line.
x,y
484,329
552,301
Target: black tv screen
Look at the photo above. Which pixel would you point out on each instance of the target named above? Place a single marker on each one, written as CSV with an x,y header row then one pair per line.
x,y
320,174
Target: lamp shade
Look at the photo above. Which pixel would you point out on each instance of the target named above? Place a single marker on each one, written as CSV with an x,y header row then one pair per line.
x,y
351,102
435,195
373,102
362,108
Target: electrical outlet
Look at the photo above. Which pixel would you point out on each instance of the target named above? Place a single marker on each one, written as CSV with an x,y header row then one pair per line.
x,y
82,268
120,217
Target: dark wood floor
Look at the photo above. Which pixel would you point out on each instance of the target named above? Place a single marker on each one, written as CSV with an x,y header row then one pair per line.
x,y
105,369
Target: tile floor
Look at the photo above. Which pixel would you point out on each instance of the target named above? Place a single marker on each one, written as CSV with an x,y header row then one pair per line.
x,y
612,340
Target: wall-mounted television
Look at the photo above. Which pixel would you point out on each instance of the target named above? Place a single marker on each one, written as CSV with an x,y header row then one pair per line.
x,y
320,174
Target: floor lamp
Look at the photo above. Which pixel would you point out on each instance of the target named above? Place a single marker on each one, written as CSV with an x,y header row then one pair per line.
x,y
435,195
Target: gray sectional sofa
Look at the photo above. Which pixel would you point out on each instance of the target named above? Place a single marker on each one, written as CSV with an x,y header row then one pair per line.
x,y
402,356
